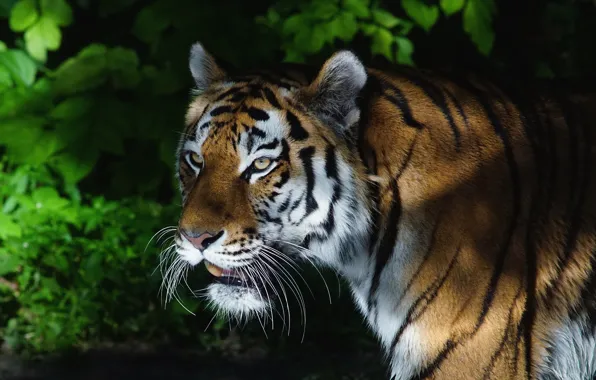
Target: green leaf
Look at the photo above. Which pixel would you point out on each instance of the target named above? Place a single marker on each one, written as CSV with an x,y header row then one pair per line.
x,y
93,268
72,108
382,42
294,24
21,67
294,56
450,7
358,7
22,15
57,261
2,46
344,26
8,228
5,78
272,17
58,11
424,15
85,71
123,64
369,29
76,162
478,17
405,48
26,141
35,45
151,22
46,31
384,18
8,262
310,40
324,10
47,198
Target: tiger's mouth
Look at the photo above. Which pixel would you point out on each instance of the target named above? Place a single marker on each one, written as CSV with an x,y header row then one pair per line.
x,y
231,277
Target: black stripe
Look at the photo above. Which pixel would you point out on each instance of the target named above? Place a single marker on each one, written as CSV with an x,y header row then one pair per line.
x,y
306,155
296,203
516,203
238,97
269,218
220,110
256,131
285,204
541,196
271,197
579,181
329,224
283,178
499,351
297,132
231,91
285,150
330,162
429,295
438,98
254,90
398,99
587,293
270,145
257,114
458,107
387,244
194,135
210,240
250,142
429,251
435,364
279,82
270,96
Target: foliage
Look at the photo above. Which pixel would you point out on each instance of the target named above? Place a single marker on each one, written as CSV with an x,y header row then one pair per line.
x,y
307,26
71,268
90,112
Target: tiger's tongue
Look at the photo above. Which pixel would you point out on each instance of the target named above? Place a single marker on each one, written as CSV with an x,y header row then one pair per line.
x,y
219,272
216,271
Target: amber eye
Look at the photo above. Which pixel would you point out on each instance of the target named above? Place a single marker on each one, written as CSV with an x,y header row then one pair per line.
x,y
262,163
195,160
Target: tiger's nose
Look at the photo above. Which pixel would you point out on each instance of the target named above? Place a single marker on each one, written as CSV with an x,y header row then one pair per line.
x,y
201,240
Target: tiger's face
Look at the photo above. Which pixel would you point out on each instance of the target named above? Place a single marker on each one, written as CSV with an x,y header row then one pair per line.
x,y
266,177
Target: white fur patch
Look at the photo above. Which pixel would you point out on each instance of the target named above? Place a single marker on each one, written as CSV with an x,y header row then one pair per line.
x,y
239,302
344,67
573,347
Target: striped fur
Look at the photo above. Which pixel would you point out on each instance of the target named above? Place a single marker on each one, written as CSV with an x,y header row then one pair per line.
x,y
461,214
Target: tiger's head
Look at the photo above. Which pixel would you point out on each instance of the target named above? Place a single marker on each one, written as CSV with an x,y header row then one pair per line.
x,y
268,175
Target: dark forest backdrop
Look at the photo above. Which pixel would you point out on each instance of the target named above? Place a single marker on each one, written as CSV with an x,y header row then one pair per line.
x,y
92,97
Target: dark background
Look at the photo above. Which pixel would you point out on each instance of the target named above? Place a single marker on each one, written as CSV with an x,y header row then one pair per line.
x,y
92,99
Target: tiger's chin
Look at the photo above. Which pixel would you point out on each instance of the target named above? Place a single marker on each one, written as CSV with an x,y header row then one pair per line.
x,y
237,296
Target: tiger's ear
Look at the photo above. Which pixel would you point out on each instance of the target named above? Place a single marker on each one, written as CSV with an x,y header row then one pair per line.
x,y
203,68
333,93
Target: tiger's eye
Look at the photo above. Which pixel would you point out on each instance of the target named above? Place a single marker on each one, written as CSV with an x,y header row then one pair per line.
x,y
262,163
195,159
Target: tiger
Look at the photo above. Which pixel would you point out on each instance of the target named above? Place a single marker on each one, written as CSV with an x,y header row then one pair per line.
x,y
460,212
